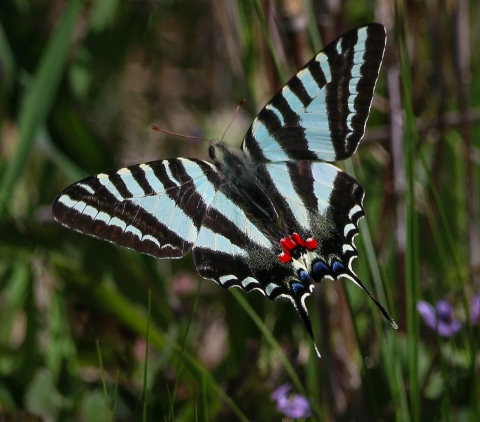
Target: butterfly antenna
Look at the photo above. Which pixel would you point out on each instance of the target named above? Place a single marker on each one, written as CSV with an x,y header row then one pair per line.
x,y
241,103
182,136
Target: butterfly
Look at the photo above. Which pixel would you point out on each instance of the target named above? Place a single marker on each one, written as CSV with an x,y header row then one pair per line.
x,y
273,216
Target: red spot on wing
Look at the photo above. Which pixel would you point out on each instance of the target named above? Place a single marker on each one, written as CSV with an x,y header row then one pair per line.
x,y
289,243
298,239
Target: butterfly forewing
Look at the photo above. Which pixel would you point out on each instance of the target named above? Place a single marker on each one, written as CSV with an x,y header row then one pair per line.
x,y
320,114
155,208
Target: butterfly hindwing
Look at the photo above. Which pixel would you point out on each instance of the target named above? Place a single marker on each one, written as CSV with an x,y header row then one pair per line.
x,y
155,208
315,200
320,114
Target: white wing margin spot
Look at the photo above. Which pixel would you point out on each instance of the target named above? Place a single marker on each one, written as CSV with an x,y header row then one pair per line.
x,y
249,281
226,278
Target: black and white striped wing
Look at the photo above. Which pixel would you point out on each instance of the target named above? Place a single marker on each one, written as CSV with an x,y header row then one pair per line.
x,y
155,208
320,114
237,247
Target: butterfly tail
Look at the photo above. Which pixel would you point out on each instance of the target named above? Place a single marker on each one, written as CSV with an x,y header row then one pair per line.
x,y
299,304
387,316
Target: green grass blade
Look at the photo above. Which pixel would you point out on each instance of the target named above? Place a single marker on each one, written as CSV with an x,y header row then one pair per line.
x,y
102,375
8,62
184,342
266,33
195,410
312,26
115,395
39,98
145,368
410,142
205,417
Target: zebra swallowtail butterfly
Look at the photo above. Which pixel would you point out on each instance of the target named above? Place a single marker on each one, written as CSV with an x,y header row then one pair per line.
x,y
273,216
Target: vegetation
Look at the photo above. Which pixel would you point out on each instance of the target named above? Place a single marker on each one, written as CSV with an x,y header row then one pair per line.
x,y
90,331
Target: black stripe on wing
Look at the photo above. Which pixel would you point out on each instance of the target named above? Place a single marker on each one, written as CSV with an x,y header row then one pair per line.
x,y
337,227
154,208
320,114
352,85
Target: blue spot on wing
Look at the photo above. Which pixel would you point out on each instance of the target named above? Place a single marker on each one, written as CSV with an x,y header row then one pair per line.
x,y
337,267
319,269
296,287
304,276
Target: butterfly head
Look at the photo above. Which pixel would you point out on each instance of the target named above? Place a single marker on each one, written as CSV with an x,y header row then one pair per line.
x,y
230,160
212,151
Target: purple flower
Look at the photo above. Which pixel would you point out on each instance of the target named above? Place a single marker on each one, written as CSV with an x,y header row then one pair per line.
x,y
291,405
439,317
475,309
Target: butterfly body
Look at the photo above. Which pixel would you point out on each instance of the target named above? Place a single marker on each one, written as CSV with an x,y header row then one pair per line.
x,y
274,216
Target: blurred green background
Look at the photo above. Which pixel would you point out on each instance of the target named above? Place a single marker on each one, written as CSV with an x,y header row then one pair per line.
x,y
82,82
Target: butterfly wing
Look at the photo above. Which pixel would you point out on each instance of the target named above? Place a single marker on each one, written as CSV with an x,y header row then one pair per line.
x,y
238,246
320,114
338,201
239,241
155,208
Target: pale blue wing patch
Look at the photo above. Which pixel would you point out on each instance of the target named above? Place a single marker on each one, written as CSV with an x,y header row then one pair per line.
x,y
105,181
209,239
270,147
129,181
281,177
310,85
236,215
293,101
324,176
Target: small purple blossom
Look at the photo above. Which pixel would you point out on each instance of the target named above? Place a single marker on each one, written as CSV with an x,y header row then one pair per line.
x,y
475,309
291,405
439,317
